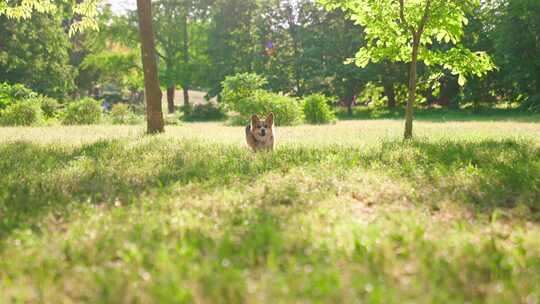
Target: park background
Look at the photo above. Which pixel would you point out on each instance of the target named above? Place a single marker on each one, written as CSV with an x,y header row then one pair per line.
x,y
94,209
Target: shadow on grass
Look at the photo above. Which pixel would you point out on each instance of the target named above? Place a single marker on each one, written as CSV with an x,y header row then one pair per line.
x,y
38,179
489,174
442,115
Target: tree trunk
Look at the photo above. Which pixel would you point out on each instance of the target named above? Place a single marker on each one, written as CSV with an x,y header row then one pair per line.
x,y
170,98
349,106
390,94
349,98
154,112
185,86
412,89
430,99
297,69
186,96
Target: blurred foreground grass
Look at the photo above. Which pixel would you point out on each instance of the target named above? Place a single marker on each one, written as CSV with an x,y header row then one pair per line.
x,y
339,214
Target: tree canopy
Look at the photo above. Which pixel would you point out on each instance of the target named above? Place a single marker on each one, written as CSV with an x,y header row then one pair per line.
x,y
298,46
84,11
410,31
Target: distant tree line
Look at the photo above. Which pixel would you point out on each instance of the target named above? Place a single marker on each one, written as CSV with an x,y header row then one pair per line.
x,y
298,46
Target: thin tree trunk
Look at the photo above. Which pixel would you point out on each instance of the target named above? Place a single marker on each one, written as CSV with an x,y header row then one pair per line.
x,y
186,96
412,73
296,66
185,86
349,97
430,99
170,98
412,89
390,94
154,112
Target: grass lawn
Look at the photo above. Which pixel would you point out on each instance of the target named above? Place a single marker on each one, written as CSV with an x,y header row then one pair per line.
x,y
347,213
443,115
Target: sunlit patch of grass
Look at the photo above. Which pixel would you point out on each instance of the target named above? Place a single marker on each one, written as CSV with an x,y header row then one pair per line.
x,y
343,213
469,114
345,133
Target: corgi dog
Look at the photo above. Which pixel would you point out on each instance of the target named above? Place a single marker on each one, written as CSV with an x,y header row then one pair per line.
x,y
260,133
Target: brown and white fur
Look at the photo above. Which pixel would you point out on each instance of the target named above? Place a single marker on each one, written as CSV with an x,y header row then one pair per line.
x,y
260,135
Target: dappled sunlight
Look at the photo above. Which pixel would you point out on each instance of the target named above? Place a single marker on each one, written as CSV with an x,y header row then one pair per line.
x,y
361,133
330,228
288,151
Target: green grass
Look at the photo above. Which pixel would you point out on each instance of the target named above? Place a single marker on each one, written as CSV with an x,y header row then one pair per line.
x,y
443,115
337,214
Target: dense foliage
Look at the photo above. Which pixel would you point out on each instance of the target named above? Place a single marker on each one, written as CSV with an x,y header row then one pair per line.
x,y
23,113
203,112
49,106
35,52
122,114
516,41
297,46
243,94
12,93
86,111
317,110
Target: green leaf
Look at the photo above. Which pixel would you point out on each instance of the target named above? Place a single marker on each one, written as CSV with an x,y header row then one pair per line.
x,y
462,80
447,38
440,36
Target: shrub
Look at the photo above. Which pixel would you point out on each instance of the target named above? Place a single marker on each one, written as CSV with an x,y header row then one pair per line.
x,y
241,86
23,113
83,112
202,112
287,109
317,110
11,93
531,104
244,95
122,114
49,106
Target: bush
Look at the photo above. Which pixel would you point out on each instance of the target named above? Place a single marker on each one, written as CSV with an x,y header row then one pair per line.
x,y
241,86
286,109
244,95
83,112
11,93
49,106
531,104
202,112
317,110
122,114
22,113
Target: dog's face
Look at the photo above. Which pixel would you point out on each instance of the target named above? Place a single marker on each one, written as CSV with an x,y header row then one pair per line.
x,y
262,129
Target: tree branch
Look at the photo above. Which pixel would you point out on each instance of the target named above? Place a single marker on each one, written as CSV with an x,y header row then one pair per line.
x,y
425,18
160,55
402,16
401,13
160,40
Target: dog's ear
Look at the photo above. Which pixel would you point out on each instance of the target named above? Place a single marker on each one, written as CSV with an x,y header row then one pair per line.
x,y
255,120
270,119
